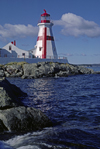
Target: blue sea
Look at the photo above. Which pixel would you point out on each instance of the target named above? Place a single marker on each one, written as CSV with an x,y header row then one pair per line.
x,y
73,105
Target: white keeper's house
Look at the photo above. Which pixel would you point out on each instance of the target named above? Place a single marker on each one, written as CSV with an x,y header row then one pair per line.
x,y
10,50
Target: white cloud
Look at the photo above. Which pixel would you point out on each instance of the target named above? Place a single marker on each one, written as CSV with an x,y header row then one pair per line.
x,y
75,26
17,31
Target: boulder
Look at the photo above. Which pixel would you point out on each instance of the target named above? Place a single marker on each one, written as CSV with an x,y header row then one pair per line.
x,y
45,69
2,74
64,67
84,70
13,70
9,94
30,70
24,119
2,126
62,74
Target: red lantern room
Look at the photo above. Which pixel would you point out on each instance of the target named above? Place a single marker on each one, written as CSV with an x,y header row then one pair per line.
x,y
45,17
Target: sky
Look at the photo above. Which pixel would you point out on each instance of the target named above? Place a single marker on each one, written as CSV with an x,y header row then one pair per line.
x,y
76,27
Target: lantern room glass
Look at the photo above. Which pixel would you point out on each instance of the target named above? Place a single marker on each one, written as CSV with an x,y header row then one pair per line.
x,y
45,18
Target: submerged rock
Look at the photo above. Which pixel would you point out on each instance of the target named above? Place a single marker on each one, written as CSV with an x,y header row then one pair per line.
x,y
24,119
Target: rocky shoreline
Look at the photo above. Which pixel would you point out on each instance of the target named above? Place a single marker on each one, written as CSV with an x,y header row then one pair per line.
x,y
14,116
42,69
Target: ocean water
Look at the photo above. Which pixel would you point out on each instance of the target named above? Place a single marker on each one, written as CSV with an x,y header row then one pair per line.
x,y
73,105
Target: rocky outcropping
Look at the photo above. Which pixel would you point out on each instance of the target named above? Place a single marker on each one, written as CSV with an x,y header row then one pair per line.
x,y
49,69
23,119
43,69
9,94
14,116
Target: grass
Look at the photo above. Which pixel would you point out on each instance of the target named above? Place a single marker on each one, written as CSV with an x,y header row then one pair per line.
x,y
17,63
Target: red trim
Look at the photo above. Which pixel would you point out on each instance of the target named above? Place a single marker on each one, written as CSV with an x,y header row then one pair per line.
x,y
14,43
45,21
44,43
45,14
39,38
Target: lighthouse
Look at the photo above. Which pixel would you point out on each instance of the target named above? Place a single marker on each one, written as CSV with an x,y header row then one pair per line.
x,y
45,46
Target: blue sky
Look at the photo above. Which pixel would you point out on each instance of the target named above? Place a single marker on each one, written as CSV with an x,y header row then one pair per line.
x,y
76,26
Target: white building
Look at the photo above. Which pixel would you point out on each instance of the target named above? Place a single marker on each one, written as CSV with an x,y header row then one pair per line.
x,y
44,49
10,50
45,46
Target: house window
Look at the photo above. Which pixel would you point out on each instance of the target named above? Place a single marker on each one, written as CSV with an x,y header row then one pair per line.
x,y
40,48
9,47
23,54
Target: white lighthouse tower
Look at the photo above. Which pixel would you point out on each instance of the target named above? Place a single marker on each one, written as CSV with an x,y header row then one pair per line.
x,y
45,46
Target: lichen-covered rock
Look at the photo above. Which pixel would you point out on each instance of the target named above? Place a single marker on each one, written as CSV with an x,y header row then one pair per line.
x,y
13,70
24,119
9,94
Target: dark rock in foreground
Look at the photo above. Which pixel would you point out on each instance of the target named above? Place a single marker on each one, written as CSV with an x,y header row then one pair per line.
x,y
14,116
9,94
23,119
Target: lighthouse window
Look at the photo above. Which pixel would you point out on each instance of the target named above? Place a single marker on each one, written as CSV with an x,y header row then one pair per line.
x,y
40,48
23,54
9,47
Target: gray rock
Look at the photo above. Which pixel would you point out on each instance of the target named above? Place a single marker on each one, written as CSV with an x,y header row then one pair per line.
x,y
62,74
55,67
9,94
64,67
6,74
24,119
30,70
2,74
41,69
96,72
73,70
84,70
2,127
13,70
44,70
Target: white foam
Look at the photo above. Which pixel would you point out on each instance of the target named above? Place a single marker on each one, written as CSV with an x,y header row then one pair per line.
x,y
30,140
3,145
29,147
